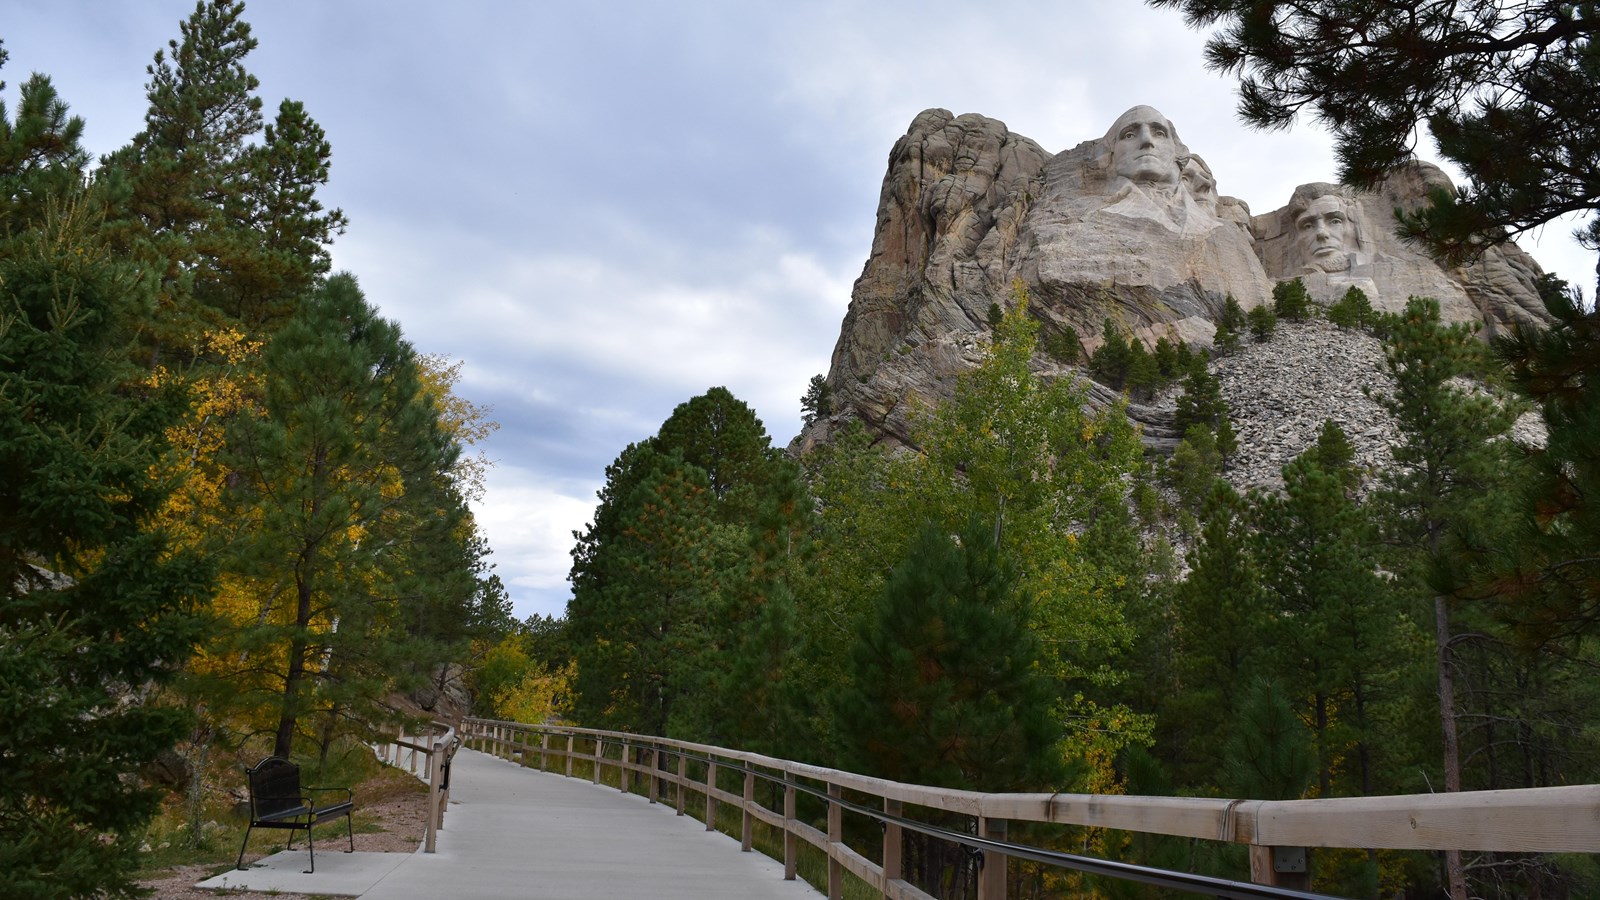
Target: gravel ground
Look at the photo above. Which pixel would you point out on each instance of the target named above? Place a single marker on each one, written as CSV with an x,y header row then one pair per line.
x,y
399,814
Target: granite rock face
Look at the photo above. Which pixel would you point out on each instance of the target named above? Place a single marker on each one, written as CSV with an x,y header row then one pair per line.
x,y
1129,226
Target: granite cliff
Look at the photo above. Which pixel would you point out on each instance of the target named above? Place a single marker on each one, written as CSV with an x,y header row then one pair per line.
x,y
1129,226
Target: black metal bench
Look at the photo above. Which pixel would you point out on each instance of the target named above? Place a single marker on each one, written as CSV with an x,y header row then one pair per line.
x,y
278,801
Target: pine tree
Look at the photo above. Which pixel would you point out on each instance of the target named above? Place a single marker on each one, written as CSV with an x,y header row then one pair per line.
x,y
1263,322
817,402
1144,374
41,158
347,449
1549,579
1290,300
1230,325
1448,472
946,687
97,608
1111,360
1336,621
1217,644
1353,310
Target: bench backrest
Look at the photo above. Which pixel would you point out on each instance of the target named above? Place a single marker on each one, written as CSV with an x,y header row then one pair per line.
x,y
274,786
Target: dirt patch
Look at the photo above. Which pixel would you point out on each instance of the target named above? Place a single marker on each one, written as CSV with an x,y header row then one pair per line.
x,y
395,807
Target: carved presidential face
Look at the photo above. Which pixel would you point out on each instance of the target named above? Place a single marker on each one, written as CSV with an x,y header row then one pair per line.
x,y
1144,148
1202,187
1325,235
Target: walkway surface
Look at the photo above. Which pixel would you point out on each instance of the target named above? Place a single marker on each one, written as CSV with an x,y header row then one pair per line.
x,y
513,832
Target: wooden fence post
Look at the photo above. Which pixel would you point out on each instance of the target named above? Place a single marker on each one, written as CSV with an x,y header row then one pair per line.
x,y
992,869
544,750
711,797
835,835
599,752
655,768
622,766
893,846
683,779
747,822
790,839
570,753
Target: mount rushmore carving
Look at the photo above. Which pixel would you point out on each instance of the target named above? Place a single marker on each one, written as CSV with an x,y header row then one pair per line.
x,y
1129,226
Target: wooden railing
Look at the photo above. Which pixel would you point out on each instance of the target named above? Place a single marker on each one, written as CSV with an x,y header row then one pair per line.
x,y
1534,820
437,750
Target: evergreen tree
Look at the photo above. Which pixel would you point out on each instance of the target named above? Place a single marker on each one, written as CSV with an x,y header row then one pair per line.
x,y
1269,752
1549,579
41,158
946,685
1201,404
1217,645
640,610
1263,322
1111,360
1195,464
1336,623
1064,347
817,402
1230,326
1353,310
1290,300
345,459
97,609
1144,375
1447,479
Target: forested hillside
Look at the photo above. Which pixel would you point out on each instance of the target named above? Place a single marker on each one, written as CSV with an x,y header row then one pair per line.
x,y
1027,601
233,498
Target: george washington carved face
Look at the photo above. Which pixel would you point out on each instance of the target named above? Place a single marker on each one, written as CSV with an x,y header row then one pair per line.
x,y
1144,147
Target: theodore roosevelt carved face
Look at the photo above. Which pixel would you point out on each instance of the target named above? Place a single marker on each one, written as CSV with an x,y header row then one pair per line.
x,y
1198,179
1144,147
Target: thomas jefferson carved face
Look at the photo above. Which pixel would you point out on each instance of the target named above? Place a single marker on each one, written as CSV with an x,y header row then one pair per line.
x,y
1324,233
1202,187
1144,147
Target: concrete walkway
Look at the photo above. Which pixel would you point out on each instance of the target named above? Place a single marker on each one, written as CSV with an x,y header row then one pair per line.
x,y
513,832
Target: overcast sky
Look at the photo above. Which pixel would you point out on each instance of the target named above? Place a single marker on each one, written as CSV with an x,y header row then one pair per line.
x,y
604,209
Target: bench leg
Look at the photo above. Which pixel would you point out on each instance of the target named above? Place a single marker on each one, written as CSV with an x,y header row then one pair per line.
x,y
240,863
311,845
350,831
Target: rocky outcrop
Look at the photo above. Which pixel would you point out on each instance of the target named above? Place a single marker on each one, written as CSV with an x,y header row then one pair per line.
x,y
1128,226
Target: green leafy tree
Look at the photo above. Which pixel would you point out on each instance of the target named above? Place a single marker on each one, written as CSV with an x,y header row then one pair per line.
x,y
1290,300
1483,77
97,609
1050,479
